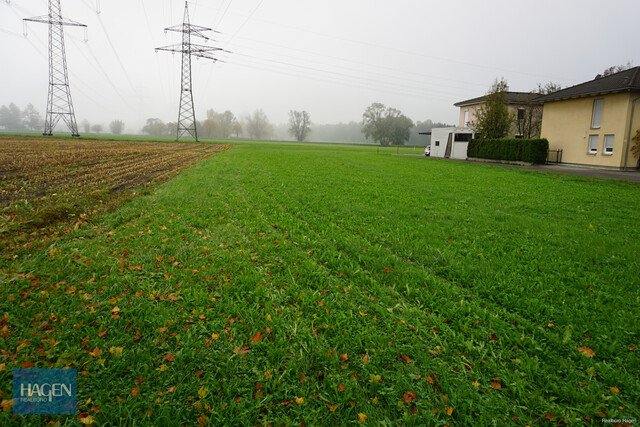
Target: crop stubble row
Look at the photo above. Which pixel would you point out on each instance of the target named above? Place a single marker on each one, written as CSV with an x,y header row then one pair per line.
x,y
31,168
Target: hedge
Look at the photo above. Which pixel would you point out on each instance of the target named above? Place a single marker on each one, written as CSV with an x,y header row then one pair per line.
x,y
522,150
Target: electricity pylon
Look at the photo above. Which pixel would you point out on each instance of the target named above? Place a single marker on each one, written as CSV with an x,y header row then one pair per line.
x,y
186,114
59,104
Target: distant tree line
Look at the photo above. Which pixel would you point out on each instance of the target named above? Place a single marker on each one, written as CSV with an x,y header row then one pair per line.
x,y
12,118
217,126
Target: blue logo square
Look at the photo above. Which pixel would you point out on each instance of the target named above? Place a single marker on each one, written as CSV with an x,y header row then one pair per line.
x,y
45,391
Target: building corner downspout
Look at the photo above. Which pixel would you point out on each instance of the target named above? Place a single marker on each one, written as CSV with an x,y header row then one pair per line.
x,y
626,154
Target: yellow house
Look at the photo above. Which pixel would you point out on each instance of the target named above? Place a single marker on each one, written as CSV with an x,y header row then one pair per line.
x,y
592,122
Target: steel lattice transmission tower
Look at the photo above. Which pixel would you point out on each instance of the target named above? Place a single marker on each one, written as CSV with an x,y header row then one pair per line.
x,y
59,104
187,115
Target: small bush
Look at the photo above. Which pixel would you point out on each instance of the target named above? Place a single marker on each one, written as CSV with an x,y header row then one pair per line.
x,y
521,150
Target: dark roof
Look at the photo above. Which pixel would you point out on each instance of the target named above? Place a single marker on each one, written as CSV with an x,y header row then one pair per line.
x,y
628,80
512,98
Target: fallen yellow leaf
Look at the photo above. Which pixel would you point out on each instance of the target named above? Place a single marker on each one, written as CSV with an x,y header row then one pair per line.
x,y
86,420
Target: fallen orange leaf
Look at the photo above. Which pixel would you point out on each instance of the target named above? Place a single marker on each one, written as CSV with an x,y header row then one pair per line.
x,y
362,418
406,358
7,404
257,337
449,410
169,357
408,396
586,351
614,389
96,352
135,391
496,385
242,351
344,357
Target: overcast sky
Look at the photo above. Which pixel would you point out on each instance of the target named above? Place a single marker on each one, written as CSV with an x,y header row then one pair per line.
x,y
332,58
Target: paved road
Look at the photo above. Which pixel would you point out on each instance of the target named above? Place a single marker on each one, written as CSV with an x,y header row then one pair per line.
x,y
632,175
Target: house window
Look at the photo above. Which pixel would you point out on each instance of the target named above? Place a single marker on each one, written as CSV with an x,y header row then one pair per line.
x,y
466,117
608,144
520,113
597,113
437,143
593,144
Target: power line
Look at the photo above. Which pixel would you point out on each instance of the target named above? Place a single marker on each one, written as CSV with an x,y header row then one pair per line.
x,y
342,82
146,17
389,48
115,52
223,14
246,20
345,75
100,70
394,78
368,66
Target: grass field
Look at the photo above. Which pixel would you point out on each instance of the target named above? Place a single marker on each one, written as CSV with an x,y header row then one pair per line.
x,y
284,283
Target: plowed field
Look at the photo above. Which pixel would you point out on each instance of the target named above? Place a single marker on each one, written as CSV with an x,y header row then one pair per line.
x,y
32,168
49,186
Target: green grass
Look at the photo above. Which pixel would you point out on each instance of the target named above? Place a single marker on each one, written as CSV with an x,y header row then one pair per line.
x,y
413,291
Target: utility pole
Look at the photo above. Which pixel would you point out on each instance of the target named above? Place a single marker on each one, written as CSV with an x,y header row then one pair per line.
x,y
59,104
186,114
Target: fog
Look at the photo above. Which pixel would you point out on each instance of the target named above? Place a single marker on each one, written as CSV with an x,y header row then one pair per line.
x,y
331,58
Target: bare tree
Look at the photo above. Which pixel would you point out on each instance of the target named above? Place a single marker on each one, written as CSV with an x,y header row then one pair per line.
x,y
616,69
97,128
299,125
